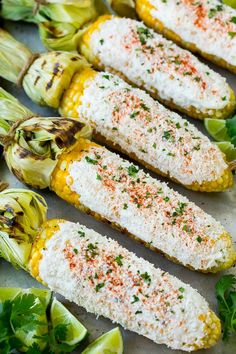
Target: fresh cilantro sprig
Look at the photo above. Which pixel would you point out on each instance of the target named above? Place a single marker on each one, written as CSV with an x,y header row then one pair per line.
x,y
226,296
19,315
23,315
231,129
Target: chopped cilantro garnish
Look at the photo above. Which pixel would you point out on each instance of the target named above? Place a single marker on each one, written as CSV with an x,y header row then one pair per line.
x,y
106,76
233,19
232,34
179,211
132,170
75,250
118,260
99,286
178,125
199,239
134,114
101,41
81,233
138,312
99,177
181,290
154,145
166,199
146,277
125,206
92,161
135,299
144,33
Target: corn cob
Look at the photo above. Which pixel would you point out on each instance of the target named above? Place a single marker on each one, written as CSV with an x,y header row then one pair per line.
x,y
106,279
169,73
159,139
131,121
205,27
100,183
112,189
141,56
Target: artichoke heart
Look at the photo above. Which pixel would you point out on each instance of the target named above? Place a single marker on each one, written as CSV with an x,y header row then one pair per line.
x,y
22,213
50,75
35,145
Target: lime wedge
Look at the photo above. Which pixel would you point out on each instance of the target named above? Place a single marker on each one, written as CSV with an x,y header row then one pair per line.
x,y
10,293
228,149
109,343
60,315
217,129
231,3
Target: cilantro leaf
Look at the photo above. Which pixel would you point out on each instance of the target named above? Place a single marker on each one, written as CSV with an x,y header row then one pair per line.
x,y
226,296
231,129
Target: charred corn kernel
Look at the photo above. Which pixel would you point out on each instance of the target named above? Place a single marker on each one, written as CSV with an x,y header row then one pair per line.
x,y
207,32
92,271
100,183
129,120
169,73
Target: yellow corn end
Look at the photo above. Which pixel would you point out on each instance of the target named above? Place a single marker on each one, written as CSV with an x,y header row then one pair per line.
x,y
212,330
84,44
71,98
144,10
59,179
226,181
47,231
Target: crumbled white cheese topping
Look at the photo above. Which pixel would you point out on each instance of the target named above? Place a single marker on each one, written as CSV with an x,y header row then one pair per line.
x,y
106,279
132,119
152,62
210,25
147,208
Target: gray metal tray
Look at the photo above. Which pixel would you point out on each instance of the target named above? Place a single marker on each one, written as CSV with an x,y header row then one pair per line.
x,y
222,206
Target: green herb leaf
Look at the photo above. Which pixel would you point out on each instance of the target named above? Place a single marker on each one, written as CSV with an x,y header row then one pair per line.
x,y
226,296
132,170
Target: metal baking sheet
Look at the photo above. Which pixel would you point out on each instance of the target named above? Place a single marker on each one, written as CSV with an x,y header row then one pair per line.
x,y
221,205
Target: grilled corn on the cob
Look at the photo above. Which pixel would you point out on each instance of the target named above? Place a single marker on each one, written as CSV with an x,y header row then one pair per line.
x,y
205,27
156,137
169,73
131,121
106,279
140,55
103,184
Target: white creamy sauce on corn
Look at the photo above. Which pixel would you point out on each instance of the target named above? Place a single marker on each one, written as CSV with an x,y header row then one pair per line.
x,y
106,279
155,63
132,119
210,25
147,208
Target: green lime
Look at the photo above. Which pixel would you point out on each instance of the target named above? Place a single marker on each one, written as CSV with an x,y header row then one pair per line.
x,y
231,3
109,343
10,293
228,149
60,315
217,129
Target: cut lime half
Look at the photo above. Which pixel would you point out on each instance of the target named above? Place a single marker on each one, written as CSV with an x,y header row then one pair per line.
x,y
109,343
60,315
228,149
217,129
